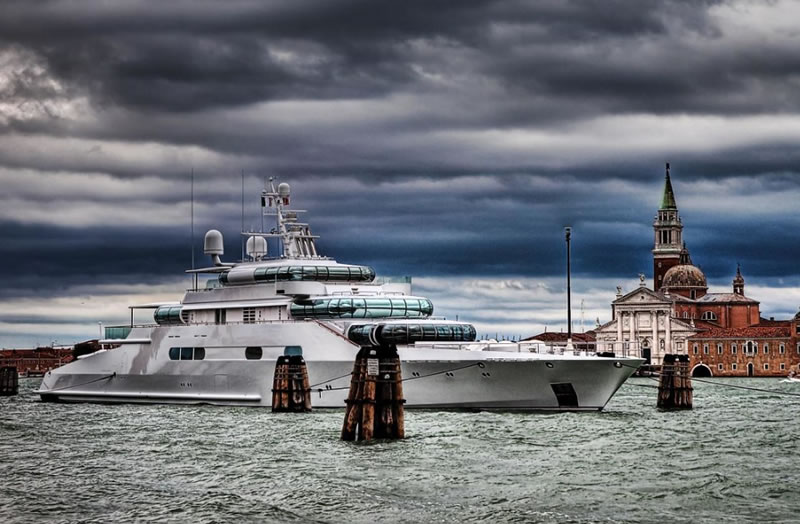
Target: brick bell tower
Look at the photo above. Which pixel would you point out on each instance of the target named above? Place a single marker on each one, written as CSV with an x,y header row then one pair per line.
x,y
668,235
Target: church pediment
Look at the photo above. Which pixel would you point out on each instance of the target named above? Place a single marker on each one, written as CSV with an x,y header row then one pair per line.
x,y
641,295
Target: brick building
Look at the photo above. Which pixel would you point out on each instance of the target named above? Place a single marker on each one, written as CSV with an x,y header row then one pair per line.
x,y
769,348
37,361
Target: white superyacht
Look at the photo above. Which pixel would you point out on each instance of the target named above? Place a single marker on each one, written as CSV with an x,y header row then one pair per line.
x,y
220,343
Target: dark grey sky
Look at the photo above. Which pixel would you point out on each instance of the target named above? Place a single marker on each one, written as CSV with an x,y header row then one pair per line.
x,y
446,140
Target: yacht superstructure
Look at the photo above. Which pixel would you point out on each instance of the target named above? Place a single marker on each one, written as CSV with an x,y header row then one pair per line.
x,y
219,344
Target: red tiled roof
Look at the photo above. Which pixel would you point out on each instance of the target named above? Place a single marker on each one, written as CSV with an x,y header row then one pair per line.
x,y
726,297
765,322
746,332
702,324
552,336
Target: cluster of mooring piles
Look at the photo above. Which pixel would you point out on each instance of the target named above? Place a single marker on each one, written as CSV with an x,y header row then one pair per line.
x,y
9,381
375,401
290,389
675,386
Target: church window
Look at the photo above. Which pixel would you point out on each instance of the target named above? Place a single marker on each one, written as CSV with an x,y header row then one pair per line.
x,y
719,349
694,349
766,348
693,294
766,366
749,347
705,349
720,367
798,347
733,367
709,315
782,349
783,366
685,314
733,349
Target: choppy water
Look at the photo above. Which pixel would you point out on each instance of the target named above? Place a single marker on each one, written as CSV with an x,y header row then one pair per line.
x,y
734,458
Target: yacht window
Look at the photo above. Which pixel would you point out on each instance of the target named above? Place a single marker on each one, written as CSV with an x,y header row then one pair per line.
x,y
220,316
186,353
199,353
249,315
174,353
253,353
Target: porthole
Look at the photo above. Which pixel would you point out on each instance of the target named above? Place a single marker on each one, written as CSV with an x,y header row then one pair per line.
x,y
253,353
549,365
617,364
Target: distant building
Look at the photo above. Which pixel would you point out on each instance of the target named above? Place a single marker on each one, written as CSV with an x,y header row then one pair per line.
x,y
36,361
680,316
558,341
769,349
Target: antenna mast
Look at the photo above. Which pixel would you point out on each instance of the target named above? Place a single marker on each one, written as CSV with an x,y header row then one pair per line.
x,y
191,228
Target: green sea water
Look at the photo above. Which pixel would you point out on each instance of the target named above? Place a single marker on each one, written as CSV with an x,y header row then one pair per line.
x,y
733,458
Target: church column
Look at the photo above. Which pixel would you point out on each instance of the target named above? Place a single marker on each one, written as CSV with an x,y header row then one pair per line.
x,y
668,340
618,345
655,346
633,330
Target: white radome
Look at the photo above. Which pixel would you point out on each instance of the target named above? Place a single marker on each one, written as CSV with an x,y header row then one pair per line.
x,y
213,244
256,247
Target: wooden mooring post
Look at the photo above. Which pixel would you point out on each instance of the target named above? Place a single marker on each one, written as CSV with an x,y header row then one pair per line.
x,y
375,401
290,389
675,386
9,381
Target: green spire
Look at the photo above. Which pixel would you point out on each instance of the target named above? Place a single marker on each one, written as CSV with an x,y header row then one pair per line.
x,y
668,200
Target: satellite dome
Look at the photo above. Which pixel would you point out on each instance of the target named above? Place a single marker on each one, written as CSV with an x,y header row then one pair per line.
x,y
283,190
212,244
684,276
256,247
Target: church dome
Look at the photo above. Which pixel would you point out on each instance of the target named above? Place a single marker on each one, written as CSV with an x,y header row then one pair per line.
x,y
684,276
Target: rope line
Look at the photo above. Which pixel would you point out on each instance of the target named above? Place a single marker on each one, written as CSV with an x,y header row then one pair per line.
x,y
320,390
724,385
329,380
479,364
85,383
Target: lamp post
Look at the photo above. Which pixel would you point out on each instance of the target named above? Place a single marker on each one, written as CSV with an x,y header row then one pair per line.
x,y
568,235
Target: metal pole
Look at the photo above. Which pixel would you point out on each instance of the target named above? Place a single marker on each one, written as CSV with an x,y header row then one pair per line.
x,y
191,240
242,238
568,234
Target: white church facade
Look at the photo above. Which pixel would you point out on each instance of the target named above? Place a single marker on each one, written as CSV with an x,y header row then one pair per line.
x,y
643,324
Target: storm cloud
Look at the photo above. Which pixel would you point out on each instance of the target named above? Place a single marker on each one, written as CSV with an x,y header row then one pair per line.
x,y
447,140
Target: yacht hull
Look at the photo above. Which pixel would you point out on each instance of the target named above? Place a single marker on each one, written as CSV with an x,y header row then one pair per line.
x,y
433,378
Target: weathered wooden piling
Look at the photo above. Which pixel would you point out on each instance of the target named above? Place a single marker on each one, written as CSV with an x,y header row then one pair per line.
x,y
375,401
290,388
675,386
9,381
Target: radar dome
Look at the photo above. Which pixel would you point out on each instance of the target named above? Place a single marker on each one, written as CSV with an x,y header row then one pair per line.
x,y
256,247
283,190
212,244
